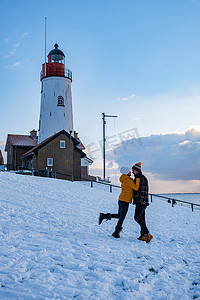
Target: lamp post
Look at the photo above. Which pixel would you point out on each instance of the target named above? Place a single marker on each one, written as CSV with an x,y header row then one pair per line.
x,y
104,116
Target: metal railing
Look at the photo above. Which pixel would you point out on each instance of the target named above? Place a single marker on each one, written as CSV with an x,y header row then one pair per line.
x,y
169,199
66,73
59,175
175,201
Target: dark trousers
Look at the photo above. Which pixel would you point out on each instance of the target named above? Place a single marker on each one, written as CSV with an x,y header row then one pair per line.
x,y
140,217
122,211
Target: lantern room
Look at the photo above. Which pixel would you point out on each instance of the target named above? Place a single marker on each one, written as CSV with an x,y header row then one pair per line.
x,y
56,56
55,65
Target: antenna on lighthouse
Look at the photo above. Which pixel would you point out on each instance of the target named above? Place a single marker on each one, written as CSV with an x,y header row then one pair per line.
x,y
45,38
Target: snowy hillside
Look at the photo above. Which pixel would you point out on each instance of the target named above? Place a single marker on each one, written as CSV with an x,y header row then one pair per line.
x,y
53,248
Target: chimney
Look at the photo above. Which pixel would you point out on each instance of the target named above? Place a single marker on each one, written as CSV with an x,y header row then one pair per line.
x,y
70,134
75,134
33,134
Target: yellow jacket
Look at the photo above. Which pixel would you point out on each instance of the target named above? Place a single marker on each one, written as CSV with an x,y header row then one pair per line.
x,y
127,187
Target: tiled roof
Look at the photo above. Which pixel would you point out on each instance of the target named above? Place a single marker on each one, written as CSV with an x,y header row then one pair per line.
x,y
80,145
39,146
22,140
89,159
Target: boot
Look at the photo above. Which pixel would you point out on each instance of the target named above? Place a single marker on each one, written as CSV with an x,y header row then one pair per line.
x,y
143,237
149,237
116,233
146,237
104,216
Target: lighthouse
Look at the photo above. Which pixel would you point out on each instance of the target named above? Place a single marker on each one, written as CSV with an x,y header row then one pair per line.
x,y
56,97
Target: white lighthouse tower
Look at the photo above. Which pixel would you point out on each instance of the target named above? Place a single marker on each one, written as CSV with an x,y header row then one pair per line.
x,y
56,98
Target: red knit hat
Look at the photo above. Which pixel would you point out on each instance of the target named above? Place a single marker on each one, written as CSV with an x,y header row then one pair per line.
x,y
137,167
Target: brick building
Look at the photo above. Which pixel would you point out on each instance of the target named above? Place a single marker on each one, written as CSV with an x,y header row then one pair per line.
x,y
59,153
16,146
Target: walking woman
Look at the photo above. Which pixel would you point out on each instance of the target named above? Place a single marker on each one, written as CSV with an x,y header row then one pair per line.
x,y
126,196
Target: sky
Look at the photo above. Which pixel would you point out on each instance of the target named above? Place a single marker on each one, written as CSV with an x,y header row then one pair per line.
x,y
139,60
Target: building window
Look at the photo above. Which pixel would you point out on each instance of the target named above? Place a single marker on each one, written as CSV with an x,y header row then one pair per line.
x,y
60,101
62,144
49,162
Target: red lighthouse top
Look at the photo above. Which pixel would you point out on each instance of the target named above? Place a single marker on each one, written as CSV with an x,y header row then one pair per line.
x,y
55,65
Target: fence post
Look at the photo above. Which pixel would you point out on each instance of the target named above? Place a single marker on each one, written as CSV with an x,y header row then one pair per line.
x,y
173,202
151,198
192,206
110,188
91,184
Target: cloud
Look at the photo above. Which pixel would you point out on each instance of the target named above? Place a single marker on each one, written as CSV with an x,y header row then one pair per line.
x,y
18,63
156,186
16,45
2,143
23,35
126,98
166,156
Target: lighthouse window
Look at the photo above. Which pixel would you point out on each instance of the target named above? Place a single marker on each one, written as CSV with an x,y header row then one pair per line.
x,y
49,162
62,144
60,101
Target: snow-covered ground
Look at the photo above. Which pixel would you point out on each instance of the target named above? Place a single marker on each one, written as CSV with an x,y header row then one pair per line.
x,y
51,246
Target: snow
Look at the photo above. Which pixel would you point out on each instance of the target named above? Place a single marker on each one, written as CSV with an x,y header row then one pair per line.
x,y
53,248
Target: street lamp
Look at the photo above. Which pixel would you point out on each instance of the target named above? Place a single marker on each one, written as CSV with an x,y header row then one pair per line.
x,y
104,116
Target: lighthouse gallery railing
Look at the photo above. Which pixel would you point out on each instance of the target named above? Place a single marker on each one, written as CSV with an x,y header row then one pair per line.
x,y
67,73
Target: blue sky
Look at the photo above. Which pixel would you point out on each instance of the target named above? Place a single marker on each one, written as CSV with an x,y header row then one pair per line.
x,y
139,60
